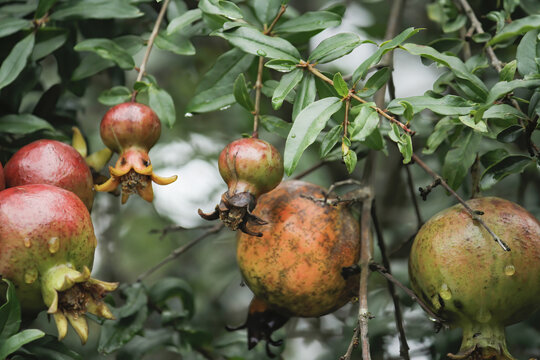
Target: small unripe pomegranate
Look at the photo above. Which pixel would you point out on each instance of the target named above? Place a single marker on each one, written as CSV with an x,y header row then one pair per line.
x,y
131,129
296,265
469,281
47,245
250,167
2,181
54,163
261,322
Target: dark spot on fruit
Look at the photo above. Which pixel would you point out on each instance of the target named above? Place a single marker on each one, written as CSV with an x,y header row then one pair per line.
x,y
123,161
458,304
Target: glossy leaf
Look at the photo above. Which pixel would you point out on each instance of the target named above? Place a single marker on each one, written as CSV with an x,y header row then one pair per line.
x,y
162,103
266,10
504,87
334,47
306,128
115,95
176,44
281,65
515,28
275,125
13,343
15,62
526,54
330,140
287,83
375,82
503,111
406,148
255,42
241,93
510,134
447,105
340,85
96,9
439,135
221,7
508,71
385,47
43,7
49,348
309,21
364,123
469,121
10,311
350,159
458,160
492,157
10,26
511,164
23,124
48,40
305,94
109,50
184,20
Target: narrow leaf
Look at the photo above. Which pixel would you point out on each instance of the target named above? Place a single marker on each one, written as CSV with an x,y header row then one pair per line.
x,y
102,9
23,124
187,18
510,134
221,7
15,342
281,65
515,28
162,103
508,71
16,60
335,47
447,105
511,164
43,7
330,140
108,50
275,125
340,85
364,123
266,10
526,53
115,95
176,44
10,26
241,93
309,21
504,87
305,95
286,85
458,160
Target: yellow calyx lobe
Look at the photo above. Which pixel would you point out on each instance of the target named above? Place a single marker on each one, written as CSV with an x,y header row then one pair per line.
x,y
134,172
70,294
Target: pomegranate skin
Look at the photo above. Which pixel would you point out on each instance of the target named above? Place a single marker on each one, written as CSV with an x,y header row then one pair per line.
x,y
54,163
2,180
130,124
250,165
296,265
465,277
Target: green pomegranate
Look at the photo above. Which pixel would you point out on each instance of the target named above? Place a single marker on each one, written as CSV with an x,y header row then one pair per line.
x,y
468,280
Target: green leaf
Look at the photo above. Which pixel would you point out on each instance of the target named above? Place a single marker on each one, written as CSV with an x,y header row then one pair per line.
x,y
221,7
10,312
335,47
162,103
13,343
456,24
309,21
187,18
330,140
469,121
275,125
364,123
439,134
96,9
453,63
306,128
109,50
406,149
48,40
375,82
504,87
447,105
458,160
10,26
216,88
526,54
375,141
241,93
115,96
340,85
16,60
508,71
281,65
270,86
305,95
503,111
510,134
176,44
171,287
408,110
481,37
511,164
350,160
385,47
286,85
23,124
49,348
43,7
266,10
515,28
492,157
255,42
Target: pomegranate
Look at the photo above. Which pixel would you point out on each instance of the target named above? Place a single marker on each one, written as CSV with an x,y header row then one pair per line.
x,y
469,281
131,129
47,245
250,167
51,162
261,322
2,181
296,265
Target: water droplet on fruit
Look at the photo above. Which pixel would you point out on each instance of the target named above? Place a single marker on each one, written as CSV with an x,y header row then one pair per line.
x,y
30,276
509,270
27,243
483,316
445,292
54,245
188,115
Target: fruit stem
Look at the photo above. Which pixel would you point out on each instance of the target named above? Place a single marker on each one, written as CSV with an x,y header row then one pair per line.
x,y
486,341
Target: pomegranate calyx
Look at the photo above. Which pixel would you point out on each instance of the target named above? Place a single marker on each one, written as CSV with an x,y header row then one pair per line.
x,y
70,294
236,212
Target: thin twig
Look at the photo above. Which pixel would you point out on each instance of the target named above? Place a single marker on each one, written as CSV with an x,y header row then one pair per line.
x,y
173,228
309,170
404,347
474,214
180,250
150,43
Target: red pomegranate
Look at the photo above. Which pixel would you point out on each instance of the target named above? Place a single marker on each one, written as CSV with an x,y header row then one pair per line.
x,y
47,245
250,167
2,181
131,129
51,162
296,265
471,282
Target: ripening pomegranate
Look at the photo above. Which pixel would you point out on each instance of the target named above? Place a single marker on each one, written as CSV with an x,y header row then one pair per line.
x,y
2,181
471,282
296,265
250,167
51,162
131,129
47,245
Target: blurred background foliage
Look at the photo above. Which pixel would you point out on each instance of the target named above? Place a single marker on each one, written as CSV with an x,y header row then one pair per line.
x,y
207,275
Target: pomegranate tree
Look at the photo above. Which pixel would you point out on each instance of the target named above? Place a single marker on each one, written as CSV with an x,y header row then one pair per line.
x,y
469,281
250,167
51,162
47,245
131,129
